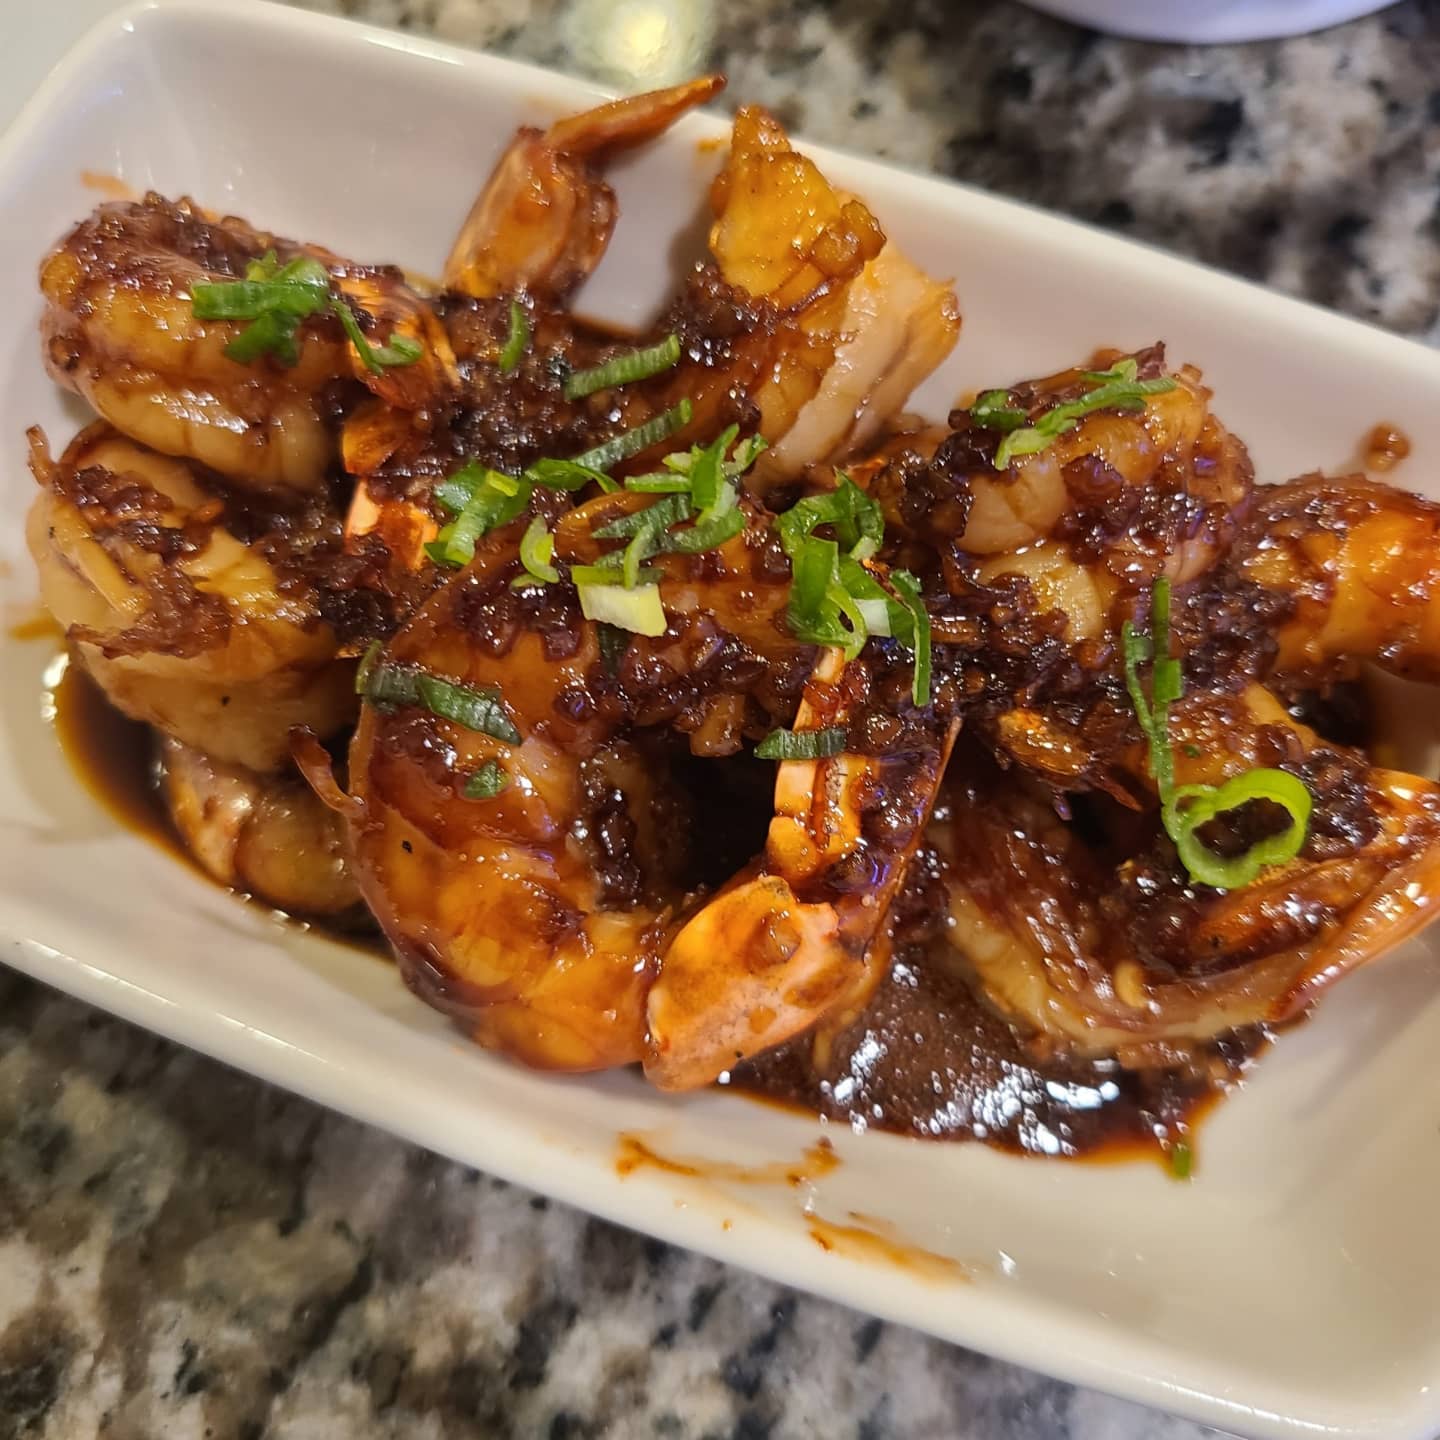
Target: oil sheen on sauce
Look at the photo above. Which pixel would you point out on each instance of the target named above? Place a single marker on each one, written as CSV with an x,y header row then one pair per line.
x,y
925,1059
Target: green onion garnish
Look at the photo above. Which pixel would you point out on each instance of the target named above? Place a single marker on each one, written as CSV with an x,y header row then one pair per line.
x,y
566,475
517,341
802,744
537,547
907,587
1116,389
401,349
1185,811
1182,1159
487,782
482,500
623,369
612,452
275,299
475,709
705,534
1196,805
993,411
656,517
612,575
637,609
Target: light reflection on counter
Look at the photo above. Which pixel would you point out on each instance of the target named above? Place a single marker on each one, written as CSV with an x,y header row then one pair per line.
x,y
640,44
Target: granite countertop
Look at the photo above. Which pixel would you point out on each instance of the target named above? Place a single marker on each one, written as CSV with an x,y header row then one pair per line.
x,y
185,1252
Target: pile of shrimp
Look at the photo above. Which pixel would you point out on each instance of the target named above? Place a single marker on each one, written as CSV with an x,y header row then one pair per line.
x,y
232,534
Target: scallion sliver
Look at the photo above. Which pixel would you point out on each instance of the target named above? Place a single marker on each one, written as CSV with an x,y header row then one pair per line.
x,y
624,369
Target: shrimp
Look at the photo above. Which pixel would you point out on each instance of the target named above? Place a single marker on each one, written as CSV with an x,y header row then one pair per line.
x,y
553,956
545,217
859,324
119,330
269,836
1099,949
181,622
1357,564
807,915
806,324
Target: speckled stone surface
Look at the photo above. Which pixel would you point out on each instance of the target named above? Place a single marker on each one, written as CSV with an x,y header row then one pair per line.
x,y
186,1253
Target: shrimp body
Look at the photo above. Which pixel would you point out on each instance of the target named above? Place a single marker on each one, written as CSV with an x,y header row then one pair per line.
x,y
860,325
1358,563
269,836
1135,961
119,330
179,622
542,916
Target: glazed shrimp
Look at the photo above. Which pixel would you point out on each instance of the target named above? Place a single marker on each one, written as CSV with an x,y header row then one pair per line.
x,y
181,623
1115,478
553,957
806,324
545,217
119,330
269,836
1357,563
860,325
1100,950
807,916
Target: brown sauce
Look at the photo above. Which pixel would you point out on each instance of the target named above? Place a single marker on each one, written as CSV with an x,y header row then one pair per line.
x,y
926,1059
635,1153
870,1239
1385,447
114,758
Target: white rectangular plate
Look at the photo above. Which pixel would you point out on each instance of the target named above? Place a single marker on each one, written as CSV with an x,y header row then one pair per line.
x,y
1290,1289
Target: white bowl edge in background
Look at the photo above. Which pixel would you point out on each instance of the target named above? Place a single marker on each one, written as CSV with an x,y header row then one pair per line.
x,y
1208,22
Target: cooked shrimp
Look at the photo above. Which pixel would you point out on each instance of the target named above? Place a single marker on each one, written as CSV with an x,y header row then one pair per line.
x,y
1098,957
269,836
861,325
119,329
545,216
808,915
553,957
180,622
1357,564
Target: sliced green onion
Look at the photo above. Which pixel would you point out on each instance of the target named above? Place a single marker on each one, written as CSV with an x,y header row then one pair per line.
x,y
637,609
566,475
250,299
401,350
1195,805
705,534
629,443
1182,1159
495,501
802,744
368,661
1153,712
657,517
612,575
475,709
487,782
907,587
1116,388
623,369
812,568
456,491
1185,811
272,333
537,546
659,484
993,411
517,341
858,521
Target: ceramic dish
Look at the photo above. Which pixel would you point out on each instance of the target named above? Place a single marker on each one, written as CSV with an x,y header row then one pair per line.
x,y
1288,1290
